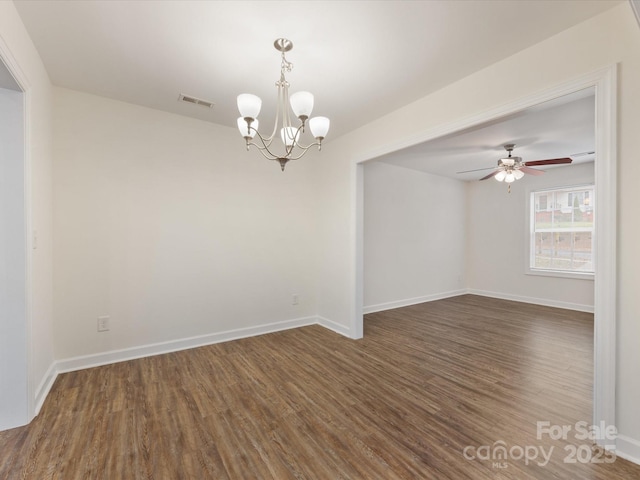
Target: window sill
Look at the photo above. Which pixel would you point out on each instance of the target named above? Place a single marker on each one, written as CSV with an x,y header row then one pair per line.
x,y
560,274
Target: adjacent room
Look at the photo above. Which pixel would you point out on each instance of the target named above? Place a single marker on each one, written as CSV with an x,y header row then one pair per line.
x,y
427,210
363,239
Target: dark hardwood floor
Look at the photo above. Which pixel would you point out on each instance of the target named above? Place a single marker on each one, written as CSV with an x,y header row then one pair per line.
x,y
426,384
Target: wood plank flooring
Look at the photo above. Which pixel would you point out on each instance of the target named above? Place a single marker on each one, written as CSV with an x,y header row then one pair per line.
x,y
402,403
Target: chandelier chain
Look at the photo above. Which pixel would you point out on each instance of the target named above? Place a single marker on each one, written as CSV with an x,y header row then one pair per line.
x,y
285,67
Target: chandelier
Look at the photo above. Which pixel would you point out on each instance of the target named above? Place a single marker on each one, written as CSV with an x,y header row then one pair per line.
x,y
301,103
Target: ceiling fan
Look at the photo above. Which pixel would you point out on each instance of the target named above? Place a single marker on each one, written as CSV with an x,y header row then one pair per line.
x,y
512,168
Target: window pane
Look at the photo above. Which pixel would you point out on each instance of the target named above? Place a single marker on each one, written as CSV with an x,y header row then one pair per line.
x,y
542,202
563,210
582,253
543,250
562,236
543,219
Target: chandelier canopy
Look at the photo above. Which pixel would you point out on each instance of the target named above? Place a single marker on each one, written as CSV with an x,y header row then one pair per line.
x,y
301,104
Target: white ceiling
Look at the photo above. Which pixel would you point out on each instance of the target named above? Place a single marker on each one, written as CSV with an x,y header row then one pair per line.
x,y
559,128
361,59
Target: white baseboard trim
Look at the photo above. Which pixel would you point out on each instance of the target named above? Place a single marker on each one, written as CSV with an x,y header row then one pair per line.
x,y
336,327
115,356
537,301
380,307
45,387
628,448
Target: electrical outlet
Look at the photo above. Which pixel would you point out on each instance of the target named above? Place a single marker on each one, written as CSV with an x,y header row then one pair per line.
x,y
103,323
295,299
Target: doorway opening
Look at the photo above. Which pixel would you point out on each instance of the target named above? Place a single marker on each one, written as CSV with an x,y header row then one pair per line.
x,y
604,82
15,405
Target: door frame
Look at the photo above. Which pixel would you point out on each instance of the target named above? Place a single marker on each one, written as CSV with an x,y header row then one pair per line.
x,y
605,289
21,79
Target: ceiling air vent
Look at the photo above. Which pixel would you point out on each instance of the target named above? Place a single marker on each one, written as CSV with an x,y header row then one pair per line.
x,y
195,101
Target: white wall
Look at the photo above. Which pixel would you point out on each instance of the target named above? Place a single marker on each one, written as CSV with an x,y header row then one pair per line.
x,y
414,236
498,241
23,61
612,37
169,226
428,237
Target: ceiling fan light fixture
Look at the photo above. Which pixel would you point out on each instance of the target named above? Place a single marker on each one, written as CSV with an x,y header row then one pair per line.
x,y
512,168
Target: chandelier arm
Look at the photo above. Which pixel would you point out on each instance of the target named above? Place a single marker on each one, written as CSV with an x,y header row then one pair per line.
x,y
277,120
252,144
288,149
269,155
286,118
265,141
294,143
266,153
307,147
304,150
265,146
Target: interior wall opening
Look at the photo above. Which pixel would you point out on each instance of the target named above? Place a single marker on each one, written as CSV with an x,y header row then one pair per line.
x,y
14,342
604,82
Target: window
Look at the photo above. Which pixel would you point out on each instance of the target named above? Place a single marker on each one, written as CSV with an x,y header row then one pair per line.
x,y
562,230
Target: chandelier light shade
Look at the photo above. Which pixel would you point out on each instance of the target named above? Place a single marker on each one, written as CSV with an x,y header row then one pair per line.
x,y
290,136
300,103
249,105
319,127
247,132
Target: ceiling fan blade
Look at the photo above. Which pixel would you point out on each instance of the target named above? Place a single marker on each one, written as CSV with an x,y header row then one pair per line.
x,y
531,171
492,174
551,161
477,170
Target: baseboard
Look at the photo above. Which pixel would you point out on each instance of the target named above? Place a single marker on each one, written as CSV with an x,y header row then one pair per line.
x,y
537,301
628,448
336,327
380,307
115,356
45,387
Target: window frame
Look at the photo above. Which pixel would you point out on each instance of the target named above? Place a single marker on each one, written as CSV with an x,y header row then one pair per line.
x,y
530,234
